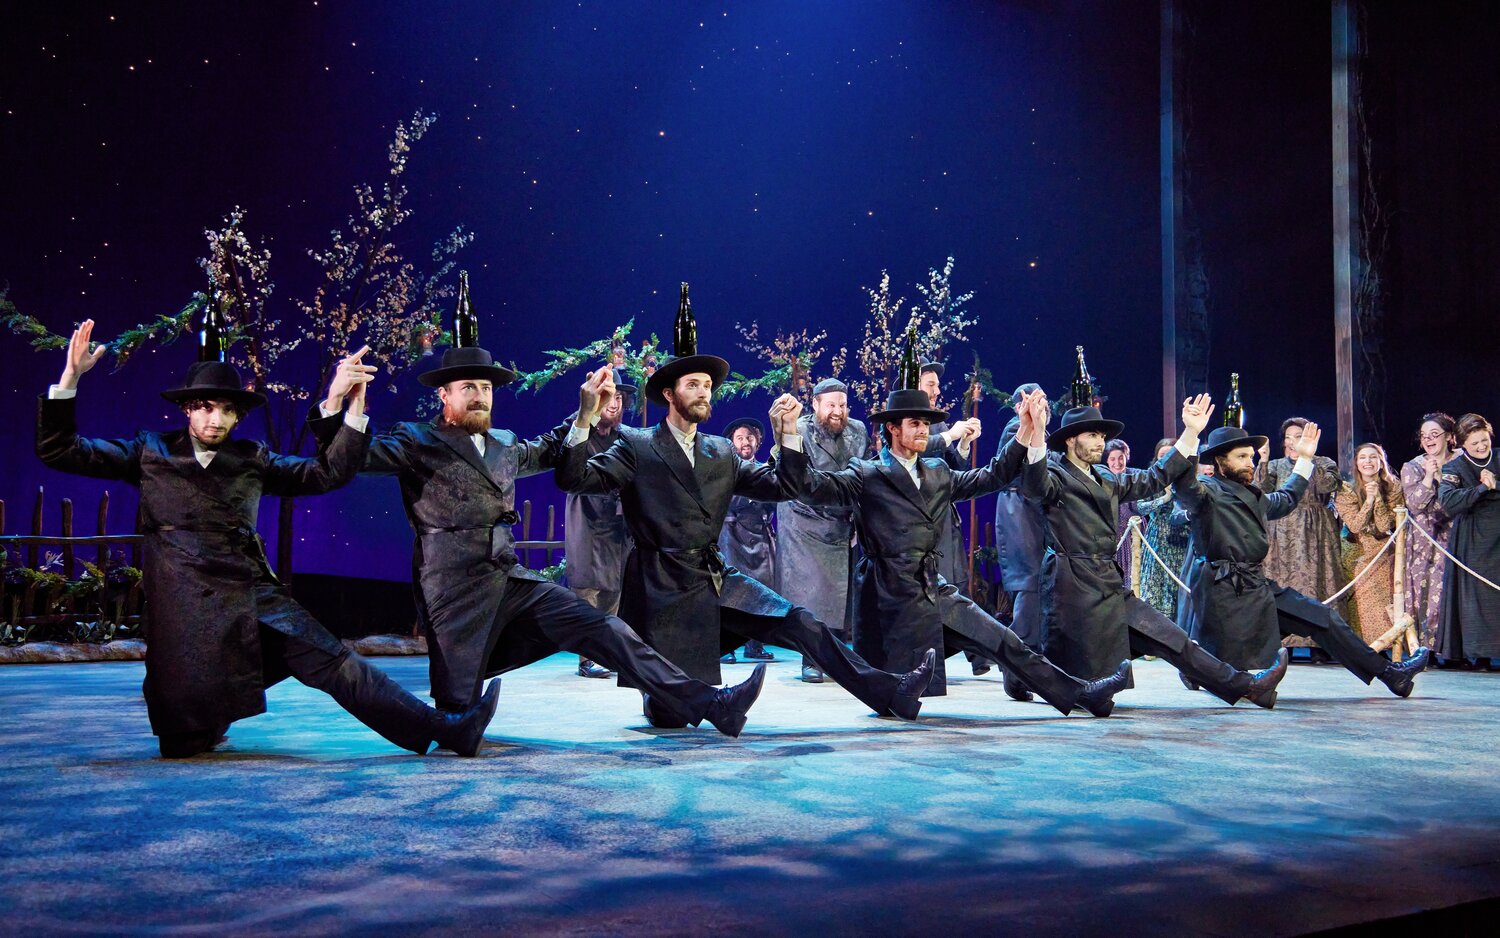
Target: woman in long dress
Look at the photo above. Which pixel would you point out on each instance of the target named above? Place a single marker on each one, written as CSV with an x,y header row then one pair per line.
x,y
1470,623
1368,506
1424,563
1304,552
1168,540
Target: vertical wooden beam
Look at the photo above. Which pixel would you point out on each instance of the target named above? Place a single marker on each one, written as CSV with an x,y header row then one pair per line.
x,y
1173,266
1346,245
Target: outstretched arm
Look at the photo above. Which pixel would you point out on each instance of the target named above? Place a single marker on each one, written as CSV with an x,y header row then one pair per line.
x,y
58,444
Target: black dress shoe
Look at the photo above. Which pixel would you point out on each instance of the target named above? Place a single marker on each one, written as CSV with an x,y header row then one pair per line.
x,y
730,704
587,668
659,716
728,658
1188,682
1262,690
981,667
1016,689
463,732
187,745
1400,677
1098,696
811,674
906,703
755,651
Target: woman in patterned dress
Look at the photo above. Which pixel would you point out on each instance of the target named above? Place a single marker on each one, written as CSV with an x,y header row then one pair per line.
x,y
1368,506
1424,563
1168,540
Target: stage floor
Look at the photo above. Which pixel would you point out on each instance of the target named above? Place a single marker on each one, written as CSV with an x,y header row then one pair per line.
x,y
1177,816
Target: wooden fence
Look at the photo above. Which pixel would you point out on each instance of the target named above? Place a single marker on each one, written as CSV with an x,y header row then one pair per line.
x,y
51,592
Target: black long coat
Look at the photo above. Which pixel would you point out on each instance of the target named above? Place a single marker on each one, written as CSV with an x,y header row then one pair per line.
x,y
675,582
1230,606
954,564
461,507
901,600
747,540
1020,530
202,558
594,532
1469,626
1088,619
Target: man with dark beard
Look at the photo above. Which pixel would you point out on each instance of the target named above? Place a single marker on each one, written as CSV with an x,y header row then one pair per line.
x,y
747,539
1093,620
223,628
1238,613
951,443
675,484
902,603
1021,545
483,612
594,534
814,542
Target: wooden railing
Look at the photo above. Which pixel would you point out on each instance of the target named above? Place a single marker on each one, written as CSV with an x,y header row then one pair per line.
x,y
53,593
549,546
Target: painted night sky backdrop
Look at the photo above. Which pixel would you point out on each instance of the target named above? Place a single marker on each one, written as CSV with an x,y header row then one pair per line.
x,y
778,156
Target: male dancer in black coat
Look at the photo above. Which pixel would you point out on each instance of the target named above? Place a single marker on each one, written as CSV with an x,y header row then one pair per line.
x,y
483,612
902,603
1093,619
675,484
1230,606
222,627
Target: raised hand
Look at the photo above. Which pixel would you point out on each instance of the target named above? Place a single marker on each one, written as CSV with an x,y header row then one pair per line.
x,y
592,395
1195,413
784,413
1041,415
1026,419
1307,447
349,380
80,358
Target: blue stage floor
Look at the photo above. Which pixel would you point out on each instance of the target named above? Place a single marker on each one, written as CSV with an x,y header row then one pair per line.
x,y
1177,816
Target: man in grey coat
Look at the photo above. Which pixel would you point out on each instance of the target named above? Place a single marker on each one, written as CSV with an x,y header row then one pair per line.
x,y
1021,542
594,534
748,540
814,543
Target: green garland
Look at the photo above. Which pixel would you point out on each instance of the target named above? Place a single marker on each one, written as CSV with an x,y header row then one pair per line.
x,y
166,328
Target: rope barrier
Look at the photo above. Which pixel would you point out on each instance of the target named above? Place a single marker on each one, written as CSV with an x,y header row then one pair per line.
x,y
1129,527
1460,564
1161,563
1405,519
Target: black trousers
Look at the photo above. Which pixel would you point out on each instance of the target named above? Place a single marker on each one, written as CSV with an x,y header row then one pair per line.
x,y
1301,615
800,630
537,620
970,629
1152,633
294,644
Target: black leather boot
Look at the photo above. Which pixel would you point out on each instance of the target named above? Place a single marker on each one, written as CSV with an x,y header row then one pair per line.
x,y
1262,690
1098,696
907,701
1400,677
730,704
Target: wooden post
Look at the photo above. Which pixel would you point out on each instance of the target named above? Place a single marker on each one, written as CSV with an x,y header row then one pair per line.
x,y
551,533
1346,229
1137,545
36,528
1173,261
102,530
67,531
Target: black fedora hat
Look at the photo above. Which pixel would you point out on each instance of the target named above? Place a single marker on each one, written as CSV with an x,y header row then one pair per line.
x,y
1224,439
666,376
1082,420
907,402
214,381
750,422
467,362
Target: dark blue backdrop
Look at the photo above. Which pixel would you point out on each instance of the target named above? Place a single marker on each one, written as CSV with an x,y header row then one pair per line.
x,y
776,155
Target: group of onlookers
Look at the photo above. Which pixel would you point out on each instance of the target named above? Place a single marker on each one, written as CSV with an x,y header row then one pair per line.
x,y
1343,525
